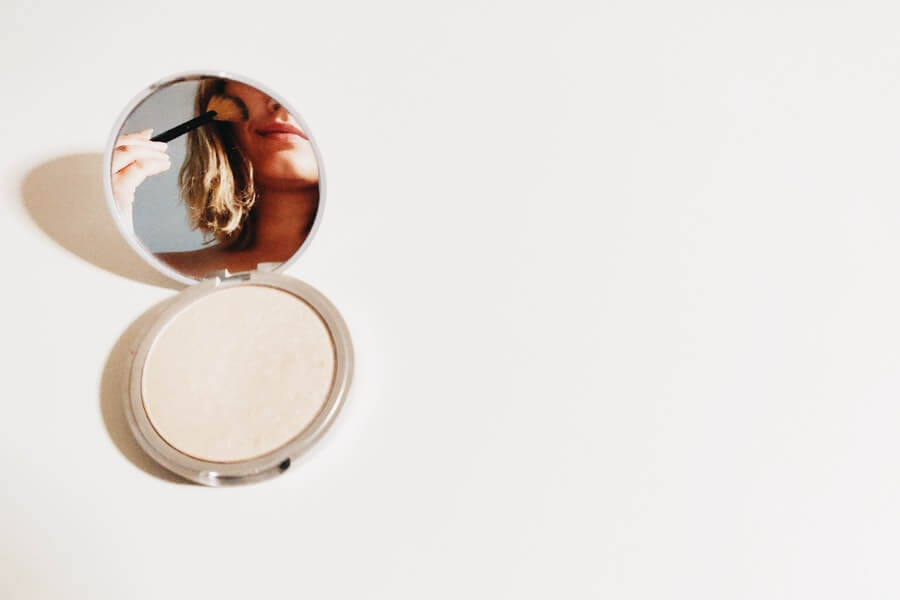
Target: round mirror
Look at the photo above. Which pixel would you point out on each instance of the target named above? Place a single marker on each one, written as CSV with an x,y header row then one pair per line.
x,y
210,173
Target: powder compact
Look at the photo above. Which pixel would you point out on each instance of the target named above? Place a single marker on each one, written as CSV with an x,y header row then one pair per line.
x,y
217,182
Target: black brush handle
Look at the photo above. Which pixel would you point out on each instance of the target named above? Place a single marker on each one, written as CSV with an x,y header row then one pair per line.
x,y
194,123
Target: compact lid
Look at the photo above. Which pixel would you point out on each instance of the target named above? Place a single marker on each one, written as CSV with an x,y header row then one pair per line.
x,y
229,180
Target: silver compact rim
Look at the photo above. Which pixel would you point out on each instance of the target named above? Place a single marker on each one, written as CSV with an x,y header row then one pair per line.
x,y
277,461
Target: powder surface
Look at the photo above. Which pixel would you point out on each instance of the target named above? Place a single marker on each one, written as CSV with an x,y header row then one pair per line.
x,y
238,373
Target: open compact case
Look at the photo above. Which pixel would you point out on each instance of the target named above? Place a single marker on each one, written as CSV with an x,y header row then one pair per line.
x,y
246,369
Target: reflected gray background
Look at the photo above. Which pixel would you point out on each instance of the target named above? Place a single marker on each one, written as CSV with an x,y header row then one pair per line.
x,y
160,217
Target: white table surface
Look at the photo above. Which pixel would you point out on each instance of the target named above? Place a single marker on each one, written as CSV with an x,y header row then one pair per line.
x,y
622,279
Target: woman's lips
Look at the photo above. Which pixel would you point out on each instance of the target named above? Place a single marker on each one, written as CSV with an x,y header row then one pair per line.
x,y
283,131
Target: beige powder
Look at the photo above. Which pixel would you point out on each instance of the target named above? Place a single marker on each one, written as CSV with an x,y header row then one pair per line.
x,y
238,373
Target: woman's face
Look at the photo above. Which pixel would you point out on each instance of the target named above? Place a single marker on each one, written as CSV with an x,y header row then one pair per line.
x,y
281,154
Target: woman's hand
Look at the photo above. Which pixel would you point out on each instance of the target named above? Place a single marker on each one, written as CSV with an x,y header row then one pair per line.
x,y
134,159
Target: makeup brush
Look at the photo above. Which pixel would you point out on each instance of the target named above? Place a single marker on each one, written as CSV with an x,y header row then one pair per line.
x,y
220,108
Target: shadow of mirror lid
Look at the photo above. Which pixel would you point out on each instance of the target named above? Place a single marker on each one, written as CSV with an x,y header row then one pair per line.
x,y
65,199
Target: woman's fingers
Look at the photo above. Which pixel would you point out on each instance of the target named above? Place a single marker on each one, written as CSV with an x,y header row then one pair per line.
x,y
126,181
134,159
152,166
144,134
141,168
139,139
122,143
130,146
126,154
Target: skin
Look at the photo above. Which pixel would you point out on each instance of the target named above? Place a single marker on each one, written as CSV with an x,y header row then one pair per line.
x,y
134,159
286,179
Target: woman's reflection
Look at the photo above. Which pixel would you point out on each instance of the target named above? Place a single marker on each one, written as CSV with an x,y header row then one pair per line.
x,y
251,187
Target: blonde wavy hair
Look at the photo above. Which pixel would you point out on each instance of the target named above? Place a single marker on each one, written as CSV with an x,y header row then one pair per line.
x,y
216,179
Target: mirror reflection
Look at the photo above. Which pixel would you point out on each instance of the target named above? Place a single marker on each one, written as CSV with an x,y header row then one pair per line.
x,y
235,185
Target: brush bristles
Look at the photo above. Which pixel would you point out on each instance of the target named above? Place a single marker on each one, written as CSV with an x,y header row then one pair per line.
x,y
228,108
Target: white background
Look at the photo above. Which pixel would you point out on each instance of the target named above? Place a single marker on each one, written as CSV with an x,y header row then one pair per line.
x,y
622,279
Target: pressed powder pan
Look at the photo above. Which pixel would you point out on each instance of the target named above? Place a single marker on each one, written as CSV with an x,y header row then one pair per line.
x,y
262,387
242,372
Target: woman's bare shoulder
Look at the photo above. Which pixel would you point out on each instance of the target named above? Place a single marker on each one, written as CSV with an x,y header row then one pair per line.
x,y
195,262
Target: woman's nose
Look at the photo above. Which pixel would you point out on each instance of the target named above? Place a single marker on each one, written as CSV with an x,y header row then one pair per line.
x,y
273,105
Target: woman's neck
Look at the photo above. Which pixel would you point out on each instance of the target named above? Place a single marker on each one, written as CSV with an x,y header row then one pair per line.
x,y
283,219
